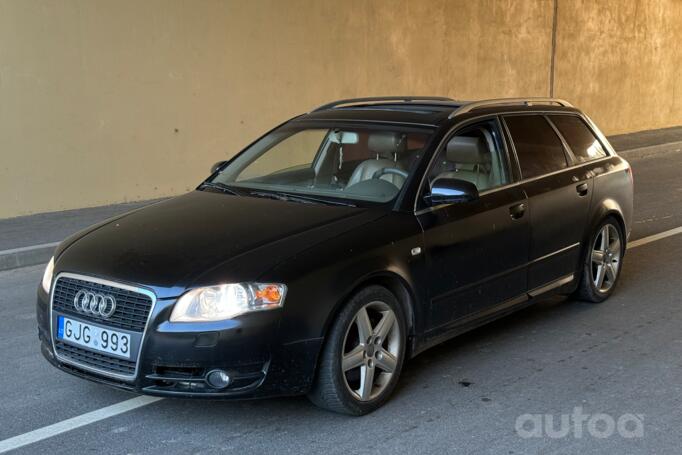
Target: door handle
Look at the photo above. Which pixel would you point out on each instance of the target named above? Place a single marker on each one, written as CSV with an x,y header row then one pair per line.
x,y
517,211
582,189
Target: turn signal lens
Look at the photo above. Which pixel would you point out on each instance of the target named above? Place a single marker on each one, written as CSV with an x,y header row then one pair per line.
x,y
226,301
269,294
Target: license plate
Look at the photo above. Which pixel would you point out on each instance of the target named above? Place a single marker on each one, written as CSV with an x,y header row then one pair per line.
x,y
93,337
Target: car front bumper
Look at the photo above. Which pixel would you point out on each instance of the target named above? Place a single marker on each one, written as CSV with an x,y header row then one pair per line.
x,y
175,358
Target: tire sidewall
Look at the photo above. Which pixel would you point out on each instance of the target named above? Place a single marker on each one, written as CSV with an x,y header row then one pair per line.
x,y
587,266
337,338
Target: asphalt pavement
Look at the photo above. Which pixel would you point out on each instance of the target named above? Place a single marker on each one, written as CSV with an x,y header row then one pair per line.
x,y
559,377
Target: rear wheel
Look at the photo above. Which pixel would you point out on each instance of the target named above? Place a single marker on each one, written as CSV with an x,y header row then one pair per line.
x,y
602,264
363,354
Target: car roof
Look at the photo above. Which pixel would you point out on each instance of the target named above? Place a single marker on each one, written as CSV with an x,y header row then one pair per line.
x,y
424,111
429,114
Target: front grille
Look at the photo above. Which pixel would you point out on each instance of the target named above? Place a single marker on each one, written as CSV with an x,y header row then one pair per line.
x,y
94,359
132,308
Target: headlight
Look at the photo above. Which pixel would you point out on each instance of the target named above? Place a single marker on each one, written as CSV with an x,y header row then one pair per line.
x,y
47,276
226,301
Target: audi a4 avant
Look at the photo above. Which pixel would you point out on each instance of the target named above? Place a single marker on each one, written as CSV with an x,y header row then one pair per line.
x,y
337,246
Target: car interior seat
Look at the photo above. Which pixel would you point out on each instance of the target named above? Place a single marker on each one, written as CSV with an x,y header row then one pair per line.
x,y
472,161
387,146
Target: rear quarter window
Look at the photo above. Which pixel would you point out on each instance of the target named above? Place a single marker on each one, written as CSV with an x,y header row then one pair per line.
x,y
537,145
583,143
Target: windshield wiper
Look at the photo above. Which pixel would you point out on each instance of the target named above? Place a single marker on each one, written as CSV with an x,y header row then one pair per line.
x,y
218,186
299,198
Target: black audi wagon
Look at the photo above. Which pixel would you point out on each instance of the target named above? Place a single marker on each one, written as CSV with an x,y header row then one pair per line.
x,y
337,246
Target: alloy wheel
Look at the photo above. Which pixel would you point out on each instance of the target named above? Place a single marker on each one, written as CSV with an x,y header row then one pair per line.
x,y
606,256
371,350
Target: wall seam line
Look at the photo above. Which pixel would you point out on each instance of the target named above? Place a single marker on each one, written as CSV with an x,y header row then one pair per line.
x,y
553,49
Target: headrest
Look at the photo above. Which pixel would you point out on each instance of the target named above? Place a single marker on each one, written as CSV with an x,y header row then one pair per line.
x,y
387,144
467,150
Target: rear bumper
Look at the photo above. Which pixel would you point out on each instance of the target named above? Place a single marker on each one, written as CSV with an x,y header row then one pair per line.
x,y
175,358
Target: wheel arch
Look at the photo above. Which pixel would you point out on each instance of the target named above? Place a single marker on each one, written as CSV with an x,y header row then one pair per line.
x,y
607,208
398,285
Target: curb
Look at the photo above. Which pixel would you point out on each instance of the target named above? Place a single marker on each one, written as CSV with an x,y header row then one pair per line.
x,y
651,150
40,254
26,256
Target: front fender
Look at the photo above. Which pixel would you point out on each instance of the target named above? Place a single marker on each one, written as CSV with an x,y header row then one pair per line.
x,y
321,279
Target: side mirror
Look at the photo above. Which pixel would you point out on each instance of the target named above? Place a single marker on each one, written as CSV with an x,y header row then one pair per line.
x,y
446,190
217,166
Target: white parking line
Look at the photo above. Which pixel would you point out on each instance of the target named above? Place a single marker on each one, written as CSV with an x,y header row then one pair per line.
x,y
653,238
138,402
23,249
75,422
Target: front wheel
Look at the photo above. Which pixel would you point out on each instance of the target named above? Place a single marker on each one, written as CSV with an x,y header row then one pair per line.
x,y
602,264
363,354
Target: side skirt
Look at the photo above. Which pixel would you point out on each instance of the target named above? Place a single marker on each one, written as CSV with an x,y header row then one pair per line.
x,y
505,308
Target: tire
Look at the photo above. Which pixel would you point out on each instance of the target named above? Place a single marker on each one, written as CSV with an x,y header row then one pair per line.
x,y
345,360
589,289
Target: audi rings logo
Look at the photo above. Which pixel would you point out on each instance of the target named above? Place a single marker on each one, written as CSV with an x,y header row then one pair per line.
x,y
95,304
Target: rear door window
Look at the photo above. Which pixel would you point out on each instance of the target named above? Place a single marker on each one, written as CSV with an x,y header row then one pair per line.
x,y
538,148
583,143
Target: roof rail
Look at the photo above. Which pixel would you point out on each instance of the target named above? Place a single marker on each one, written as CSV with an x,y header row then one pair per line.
x,y
374,99
502,101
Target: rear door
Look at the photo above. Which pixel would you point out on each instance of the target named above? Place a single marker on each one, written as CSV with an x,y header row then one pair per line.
x,y
558,198
477,252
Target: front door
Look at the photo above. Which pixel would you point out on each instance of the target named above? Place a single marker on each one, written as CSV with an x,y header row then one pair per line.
x,y
477,252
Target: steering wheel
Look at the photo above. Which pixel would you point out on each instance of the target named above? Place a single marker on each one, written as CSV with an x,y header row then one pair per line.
x,y
389,170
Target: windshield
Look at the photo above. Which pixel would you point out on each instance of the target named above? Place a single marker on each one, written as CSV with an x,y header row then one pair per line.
x,y
363,164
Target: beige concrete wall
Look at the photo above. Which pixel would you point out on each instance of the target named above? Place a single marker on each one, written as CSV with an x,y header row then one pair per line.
x,y
111,101
621,61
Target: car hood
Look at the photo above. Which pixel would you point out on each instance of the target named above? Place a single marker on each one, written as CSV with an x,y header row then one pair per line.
x,y
171,245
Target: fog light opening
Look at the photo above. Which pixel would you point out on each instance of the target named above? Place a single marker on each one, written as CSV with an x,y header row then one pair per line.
x,y
218,379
